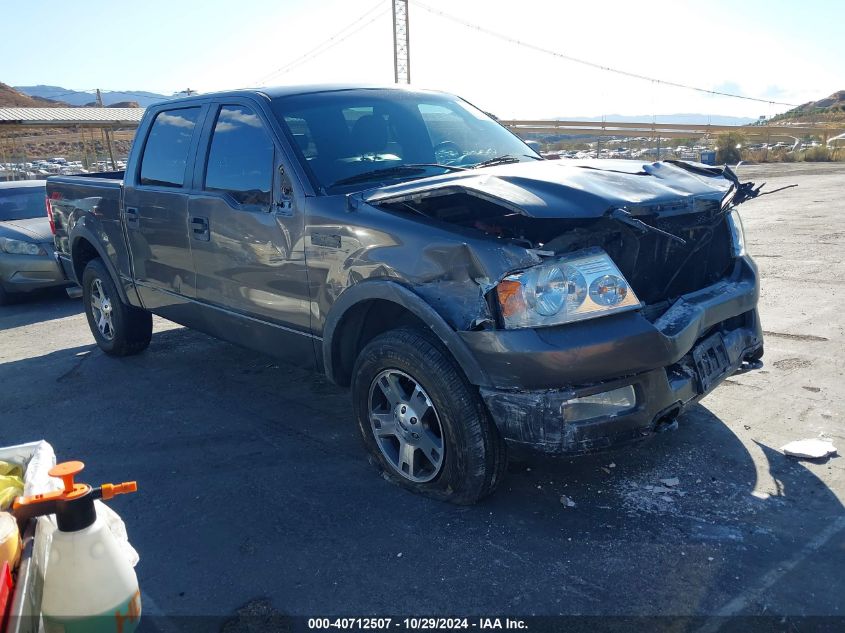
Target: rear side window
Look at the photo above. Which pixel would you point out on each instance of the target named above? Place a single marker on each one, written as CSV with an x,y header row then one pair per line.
x,y
166,151
240,159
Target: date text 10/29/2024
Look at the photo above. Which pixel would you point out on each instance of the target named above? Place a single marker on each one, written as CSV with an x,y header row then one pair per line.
x,y
417,624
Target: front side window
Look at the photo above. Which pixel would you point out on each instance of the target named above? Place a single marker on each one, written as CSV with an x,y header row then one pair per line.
x,y
240,159
166,152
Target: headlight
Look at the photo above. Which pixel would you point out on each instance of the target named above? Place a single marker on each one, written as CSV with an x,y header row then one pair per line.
x,y
737,233
582,285
17,247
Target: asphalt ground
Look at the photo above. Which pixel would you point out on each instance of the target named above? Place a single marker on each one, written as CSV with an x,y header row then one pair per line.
x,y
254,488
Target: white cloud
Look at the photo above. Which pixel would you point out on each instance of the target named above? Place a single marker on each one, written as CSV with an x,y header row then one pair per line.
x,y
174,119
227,115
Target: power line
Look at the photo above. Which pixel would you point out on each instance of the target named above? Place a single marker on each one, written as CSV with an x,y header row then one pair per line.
x,y
325,46
585,62
330,42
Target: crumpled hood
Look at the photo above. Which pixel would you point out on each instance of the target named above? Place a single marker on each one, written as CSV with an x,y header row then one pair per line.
x,y
33,230
573,189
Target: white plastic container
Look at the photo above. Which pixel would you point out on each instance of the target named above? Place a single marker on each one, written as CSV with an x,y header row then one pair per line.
x,y
89,585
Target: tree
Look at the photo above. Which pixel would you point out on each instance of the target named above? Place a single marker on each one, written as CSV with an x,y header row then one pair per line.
x,y
728,146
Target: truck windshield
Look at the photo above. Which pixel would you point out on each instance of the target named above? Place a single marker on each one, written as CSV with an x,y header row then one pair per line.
x,y
22,204
358,139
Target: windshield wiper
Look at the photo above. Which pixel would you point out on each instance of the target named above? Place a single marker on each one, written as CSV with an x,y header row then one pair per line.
x,y
503,160
396,170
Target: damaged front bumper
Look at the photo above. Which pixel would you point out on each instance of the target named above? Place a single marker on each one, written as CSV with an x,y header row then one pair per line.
x,y
537,375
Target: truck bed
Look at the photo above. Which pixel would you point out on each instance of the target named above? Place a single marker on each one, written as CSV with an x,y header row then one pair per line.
x,y
94,179
92,201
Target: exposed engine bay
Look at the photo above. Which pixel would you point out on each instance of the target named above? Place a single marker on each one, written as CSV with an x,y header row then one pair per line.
x,y
658,265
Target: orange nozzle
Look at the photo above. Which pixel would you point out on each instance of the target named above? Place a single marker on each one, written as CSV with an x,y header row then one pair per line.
x,y
65,471
110,490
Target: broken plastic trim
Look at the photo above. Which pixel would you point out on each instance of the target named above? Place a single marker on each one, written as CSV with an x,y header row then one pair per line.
x,y
623,216
600,405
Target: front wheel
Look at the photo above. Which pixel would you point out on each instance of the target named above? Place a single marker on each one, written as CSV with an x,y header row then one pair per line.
x,y
423,423
119,329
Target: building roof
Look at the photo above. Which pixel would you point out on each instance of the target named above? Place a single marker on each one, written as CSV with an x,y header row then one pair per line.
x,y
77,117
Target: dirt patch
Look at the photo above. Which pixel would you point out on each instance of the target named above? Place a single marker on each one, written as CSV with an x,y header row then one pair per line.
x,y
797,337
788,364
829,237
258,616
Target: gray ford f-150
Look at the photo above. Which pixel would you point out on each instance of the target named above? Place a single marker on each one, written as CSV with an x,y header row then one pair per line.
x,y
475,297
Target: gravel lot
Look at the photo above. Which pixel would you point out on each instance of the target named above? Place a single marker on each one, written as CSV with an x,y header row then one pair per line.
x,y
254,484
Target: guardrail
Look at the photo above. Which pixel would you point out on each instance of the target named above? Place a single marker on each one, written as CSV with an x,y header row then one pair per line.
x,y
665,130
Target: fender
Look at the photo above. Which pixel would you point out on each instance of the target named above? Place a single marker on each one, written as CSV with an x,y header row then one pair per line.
x,y
397,293
125,288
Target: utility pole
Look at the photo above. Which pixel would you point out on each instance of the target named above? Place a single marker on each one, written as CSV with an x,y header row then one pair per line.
x,y
401,43
107,133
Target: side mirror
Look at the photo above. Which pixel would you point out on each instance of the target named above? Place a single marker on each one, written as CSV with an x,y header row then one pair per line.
x,y
284,183
285,194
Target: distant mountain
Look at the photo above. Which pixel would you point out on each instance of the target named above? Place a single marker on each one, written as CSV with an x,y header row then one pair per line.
x,y
78,98
11,98
693,119
830,108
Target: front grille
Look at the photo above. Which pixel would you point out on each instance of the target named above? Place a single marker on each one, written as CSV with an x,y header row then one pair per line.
x,y
660,269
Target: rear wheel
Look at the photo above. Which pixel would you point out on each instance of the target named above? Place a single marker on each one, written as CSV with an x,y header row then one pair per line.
x,y
423,423
4,297
119,329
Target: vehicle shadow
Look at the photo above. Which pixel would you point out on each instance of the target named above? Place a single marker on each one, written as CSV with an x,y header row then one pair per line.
x,y
253,484
36,307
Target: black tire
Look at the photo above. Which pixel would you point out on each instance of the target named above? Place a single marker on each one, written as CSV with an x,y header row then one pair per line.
x,y
474,459
131,328
4,297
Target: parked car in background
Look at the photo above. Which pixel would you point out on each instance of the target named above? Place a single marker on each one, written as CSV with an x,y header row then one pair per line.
x,y
474,297
27,257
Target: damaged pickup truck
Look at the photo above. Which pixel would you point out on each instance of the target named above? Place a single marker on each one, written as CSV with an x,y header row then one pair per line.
x,y
474,297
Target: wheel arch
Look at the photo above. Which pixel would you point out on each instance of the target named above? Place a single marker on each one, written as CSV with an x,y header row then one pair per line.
x,y
85,247
369,308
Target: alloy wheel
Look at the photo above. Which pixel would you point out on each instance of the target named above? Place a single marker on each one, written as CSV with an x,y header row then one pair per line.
x,y
406,426
101,308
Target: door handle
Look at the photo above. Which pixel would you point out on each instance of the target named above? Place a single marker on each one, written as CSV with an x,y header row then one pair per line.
x,y
199,228
131,218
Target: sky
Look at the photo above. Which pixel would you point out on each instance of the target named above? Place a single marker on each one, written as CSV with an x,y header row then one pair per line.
x,y
776,50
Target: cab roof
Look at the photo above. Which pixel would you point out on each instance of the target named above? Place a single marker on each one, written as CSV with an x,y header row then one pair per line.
x,y
274,92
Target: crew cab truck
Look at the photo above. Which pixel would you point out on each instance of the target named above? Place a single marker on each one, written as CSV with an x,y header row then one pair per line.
x,y
475,298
